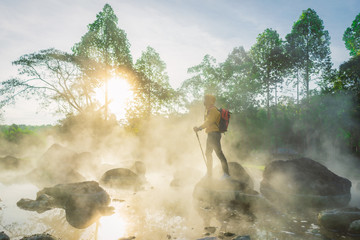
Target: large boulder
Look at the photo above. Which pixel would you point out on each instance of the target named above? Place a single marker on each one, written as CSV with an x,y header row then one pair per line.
x,y
344,221
43,236
11,163
84,202
239,187
237,172
212,190
121,178
3,236
304,181
220,198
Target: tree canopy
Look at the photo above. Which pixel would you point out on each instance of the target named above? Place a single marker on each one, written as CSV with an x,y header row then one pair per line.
x,y
351,37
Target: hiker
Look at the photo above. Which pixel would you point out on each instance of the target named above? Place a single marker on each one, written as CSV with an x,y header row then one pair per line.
x,y
211,126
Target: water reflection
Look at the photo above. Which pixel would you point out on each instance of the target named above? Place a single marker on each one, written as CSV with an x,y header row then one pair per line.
x,y
157,212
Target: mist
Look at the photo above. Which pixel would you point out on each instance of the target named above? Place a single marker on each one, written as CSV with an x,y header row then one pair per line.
x,y
163,206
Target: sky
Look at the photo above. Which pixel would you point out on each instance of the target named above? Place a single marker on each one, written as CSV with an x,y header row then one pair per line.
x,y
181,31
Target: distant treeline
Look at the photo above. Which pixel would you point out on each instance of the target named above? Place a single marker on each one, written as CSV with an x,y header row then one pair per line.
x,y
323,113
14,133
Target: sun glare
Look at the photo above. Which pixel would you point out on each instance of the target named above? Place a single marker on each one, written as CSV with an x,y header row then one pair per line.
x,y
119,95
111,227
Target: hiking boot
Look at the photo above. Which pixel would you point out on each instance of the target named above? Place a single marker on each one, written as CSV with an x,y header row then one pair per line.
x,y
225,176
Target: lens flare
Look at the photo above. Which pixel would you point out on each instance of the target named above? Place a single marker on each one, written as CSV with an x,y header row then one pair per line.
x,y
111,227
119,95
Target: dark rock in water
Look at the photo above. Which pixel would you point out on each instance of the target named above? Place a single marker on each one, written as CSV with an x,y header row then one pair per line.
x,y
215,191
210,229
228,234
219,198
306,182
39,237
3,236
354,228
242,238
239,187
84,202
10,163
121,178
237,172
127,238
338,220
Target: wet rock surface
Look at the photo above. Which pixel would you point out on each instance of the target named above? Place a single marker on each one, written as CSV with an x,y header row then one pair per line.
x,y
239,187
223,199
304,181
11,163
237,172
345,221
84,202
121,178
40,237
354,227
3,236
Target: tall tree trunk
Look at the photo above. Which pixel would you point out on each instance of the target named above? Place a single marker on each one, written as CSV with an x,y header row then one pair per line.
x,y
149,100
106,98
297,87
268,97
276,101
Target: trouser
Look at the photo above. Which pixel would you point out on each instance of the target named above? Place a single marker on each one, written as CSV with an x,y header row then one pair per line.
x,y
213,143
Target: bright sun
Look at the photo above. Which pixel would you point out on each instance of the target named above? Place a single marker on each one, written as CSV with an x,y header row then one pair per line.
x,y
111,227
119,95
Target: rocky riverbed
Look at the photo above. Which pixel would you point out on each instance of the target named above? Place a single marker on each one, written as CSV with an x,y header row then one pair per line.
x,y
161,210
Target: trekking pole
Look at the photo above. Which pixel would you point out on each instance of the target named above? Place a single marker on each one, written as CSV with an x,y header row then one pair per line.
x,y
202,151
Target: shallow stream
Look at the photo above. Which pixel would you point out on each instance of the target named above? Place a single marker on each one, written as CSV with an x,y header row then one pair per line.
x,y
158,212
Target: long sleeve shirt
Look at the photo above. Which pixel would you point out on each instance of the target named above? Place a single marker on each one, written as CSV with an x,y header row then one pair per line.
x,y
212,120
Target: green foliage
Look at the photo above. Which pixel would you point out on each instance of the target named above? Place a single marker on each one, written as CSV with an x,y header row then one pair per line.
x,y
240,84
206,79
52,76
15,133
308,45
104,41
153,92
233,82
270,60
351,37
108,45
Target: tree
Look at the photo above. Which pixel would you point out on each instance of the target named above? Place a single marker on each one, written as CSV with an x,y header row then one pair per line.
x,y
107,44
269,58
295,60
241,87
311,43
153,91
206,79
352,37
53,75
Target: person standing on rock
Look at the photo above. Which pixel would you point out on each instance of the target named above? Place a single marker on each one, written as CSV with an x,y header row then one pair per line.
x,y
211,126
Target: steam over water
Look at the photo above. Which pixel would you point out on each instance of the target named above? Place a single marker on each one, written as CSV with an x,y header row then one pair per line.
x,y
157,212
